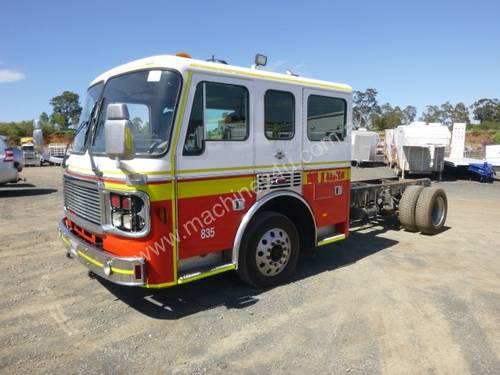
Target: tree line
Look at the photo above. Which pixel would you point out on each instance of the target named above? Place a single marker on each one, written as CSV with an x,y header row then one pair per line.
x,y
66,112
369,114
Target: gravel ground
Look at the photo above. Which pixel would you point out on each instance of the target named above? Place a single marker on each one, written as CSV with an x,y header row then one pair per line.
x,y
383,301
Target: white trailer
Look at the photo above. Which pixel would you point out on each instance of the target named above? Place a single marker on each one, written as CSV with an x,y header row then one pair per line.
x,y
418,148
457,158
364,146
493,156
53,153
389,147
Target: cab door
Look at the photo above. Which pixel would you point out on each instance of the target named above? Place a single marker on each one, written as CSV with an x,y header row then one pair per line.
x,y
326,158
214,163
278,130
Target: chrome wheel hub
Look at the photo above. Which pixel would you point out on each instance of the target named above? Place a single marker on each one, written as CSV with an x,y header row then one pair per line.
x,y
273,252
438,211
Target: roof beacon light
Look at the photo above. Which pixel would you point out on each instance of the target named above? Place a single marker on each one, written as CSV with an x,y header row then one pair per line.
x,y
260,60
184,54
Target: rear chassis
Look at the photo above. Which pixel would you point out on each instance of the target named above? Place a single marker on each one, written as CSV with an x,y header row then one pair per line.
x,y
378,197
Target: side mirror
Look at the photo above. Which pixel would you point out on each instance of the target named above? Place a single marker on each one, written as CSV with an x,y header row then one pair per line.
x,y
118,132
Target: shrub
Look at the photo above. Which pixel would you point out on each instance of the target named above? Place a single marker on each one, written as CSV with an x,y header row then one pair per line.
x,y
495,139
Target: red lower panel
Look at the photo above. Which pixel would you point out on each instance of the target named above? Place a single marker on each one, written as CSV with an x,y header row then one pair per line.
x,y
327,192
156,248
209,224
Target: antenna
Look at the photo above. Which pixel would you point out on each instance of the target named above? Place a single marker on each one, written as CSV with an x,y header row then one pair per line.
x,y
214,60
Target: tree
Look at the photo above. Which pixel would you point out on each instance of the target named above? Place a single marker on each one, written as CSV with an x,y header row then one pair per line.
x,y
432,113
446,110
446,113
461,113
486,110
44,118
388,117
364,107
409,114
66,109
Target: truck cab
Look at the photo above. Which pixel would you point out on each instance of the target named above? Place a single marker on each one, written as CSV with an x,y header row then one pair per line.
x,y
184,168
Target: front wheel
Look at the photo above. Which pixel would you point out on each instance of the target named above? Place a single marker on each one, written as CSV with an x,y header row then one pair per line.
x,y
269,250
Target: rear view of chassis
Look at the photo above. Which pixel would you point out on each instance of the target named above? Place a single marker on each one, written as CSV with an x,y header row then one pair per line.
x,y
420,207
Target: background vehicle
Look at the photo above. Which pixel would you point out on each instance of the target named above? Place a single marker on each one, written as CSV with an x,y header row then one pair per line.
x,y
30,154
417,148
8,172
18,158
187,169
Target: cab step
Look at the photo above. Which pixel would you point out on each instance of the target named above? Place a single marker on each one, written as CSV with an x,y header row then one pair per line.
x,y
202,272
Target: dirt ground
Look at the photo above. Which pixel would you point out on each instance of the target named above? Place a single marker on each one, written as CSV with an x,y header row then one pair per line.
x,y
384,301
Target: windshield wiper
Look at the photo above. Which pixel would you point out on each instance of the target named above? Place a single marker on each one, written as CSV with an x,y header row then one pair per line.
x,y
91,134
78,130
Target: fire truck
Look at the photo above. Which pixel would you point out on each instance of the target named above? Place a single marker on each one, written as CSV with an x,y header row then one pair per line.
x,y
182,169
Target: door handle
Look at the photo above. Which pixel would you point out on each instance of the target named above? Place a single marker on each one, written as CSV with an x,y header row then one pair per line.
x,y
279,155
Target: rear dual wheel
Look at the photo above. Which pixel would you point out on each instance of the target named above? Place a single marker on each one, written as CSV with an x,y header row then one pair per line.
x,y
423,209
269,250
431,210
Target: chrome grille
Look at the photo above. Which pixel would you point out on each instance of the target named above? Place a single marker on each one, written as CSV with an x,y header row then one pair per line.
x,y
83,199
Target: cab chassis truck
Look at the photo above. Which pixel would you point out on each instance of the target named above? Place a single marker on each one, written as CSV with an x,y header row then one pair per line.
x,y
182,169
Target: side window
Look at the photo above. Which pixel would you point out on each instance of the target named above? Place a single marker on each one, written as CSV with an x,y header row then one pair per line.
x,y
279,114
326,118
219,113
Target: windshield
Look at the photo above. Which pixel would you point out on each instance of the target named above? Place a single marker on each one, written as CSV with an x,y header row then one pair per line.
x,y
150,97
93,94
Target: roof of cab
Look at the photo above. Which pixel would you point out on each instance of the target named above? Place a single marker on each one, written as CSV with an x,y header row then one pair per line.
x,y
185,64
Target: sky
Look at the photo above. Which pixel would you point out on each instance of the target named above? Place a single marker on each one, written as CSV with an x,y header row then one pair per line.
x,y
413,52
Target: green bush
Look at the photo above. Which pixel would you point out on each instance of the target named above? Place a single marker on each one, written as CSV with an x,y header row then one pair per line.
x,y
489,125
495,139
15,130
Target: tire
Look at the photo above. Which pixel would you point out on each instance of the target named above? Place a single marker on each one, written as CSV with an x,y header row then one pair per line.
x,y
431,210
269,250
407,207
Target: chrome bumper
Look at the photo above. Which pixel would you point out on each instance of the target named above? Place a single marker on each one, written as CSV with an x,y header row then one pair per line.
x,y
119,270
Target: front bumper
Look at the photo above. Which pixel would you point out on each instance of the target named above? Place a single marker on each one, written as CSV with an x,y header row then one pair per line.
x,y
118,270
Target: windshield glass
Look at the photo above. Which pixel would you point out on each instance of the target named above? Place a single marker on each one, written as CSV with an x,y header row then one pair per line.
x,y
93,94
150,97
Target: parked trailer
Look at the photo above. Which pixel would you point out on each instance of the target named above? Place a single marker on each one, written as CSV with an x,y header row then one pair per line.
x,y
364,146
226,191
418,148
493,156
53,153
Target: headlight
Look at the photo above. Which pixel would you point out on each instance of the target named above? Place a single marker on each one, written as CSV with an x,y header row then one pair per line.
x,y
127,212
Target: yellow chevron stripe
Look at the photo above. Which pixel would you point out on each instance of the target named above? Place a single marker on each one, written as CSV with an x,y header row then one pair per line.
x,y
100,265
156,192
200,188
